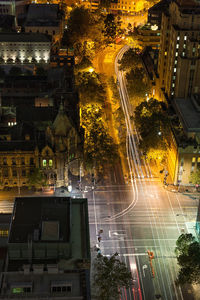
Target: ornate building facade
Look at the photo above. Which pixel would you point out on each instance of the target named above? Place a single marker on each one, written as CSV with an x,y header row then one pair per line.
x,y
24,148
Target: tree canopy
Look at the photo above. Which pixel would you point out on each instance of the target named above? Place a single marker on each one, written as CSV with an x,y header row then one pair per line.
x,y
90,87
130,60
137,83
37,179
188,256
110,275
195,177
99,147
153,124
84,32
112,28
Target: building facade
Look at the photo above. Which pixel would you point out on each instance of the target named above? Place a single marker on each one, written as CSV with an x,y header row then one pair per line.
x,y
179,56
128,6
54,150
24,48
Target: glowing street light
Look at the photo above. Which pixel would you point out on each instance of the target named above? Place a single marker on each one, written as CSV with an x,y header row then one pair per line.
x,y
69,188
91,70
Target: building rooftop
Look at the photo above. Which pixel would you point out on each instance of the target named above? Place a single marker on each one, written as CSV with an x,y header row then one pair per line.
x,y
48,217
57,227
24,37
189,113
42,15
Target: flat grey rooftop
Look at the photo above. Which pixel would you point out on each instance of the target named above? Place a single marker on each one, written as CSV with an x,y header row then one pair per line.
x,y
188,113
43,218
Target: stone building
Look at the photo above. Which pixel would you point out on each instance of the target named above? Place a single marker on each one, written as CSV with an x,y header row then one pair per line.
x,y
24,48
49,145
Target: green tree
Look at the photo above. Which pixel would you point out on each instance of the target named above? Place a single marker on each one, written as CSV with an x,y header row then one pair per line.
x,y
85,63
188,256
78,24
183,243
91,88
84,32
111,29
137,83
37,179
15,71
110,275
152,122
195,177
99,147
130,60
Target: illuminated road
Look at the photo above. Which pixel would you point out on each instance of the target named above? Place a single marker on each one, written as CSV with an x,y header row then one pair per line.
x,y
154,224
139,217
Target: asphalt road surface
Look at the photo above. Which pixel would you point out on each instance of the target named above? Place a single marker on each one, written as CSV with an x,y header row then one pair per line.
x,y
153,221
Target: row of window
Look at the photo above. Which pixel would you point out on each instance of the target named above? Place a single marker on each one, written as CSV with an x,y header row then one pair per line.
x,y
45,162
15,173
54,289
14,161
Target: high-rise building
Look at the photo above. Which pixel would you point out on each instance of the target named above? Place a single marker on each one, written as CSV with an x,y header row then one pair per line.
x,y
179,56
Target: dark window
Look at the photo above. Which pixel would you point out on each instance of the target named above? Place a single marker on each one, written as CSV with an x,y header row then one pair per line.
x,y
5,161
14,172
13,161
23,173
31,161
27,290
5,173
22,161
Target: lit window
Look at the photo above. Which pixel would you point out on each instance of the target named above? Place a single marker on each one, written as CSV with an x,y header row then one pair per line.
x,y
173,85
165,53
177,46
193,159
174,70
50,163
44,163
178,38
193,49
172,93
183,53
174,77
8,123
185,37
184,46
3,232
175,62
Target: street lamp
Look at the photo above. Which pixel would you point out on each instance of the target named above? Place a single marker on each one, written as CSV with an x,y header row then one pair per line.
x,y
69,188
91,70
